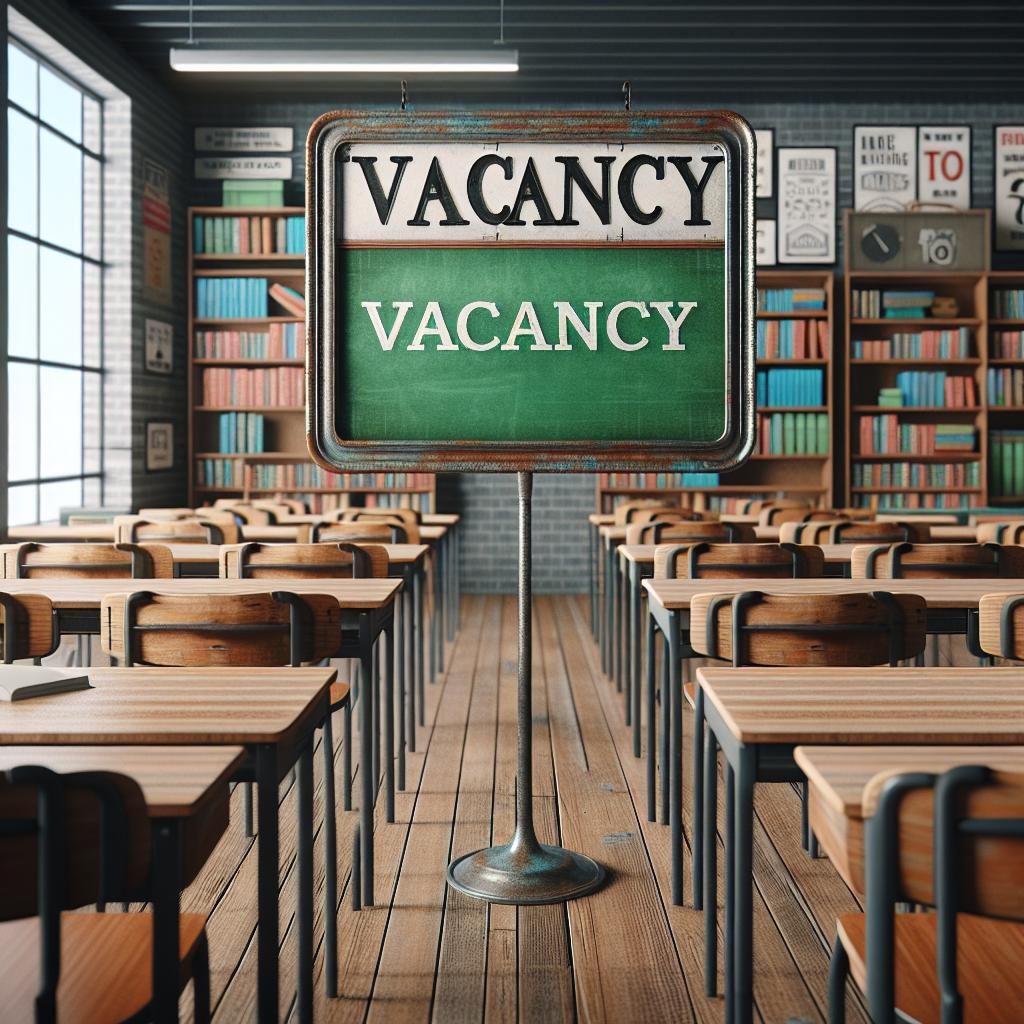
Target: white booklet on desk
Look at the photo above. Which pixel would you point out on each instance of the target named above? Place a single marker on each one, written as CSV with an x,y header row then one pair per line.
x,y
20,682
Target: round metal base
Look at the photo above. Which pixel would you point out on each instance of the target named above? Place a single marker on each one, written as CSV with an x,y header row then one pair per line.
x,y
547,874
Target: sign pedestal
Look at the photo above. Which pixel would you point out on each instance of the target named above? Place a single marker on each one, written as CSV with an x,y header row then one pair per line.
x,y
524,870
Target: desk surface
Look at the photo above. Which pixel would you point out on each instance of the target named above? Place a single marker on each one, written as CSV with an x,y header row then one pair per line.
x,y
677,594
868,705
175,781
181,706
203,554
364,595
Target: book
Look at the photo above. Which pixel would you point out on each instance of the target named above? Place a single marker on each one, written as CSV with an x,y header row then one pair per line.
x,y
289,298
22,682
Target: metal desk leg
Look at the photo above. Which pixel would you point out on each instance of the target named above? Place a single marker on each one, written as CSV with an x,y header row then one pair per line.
x,y
366,786
389,723
304,887
418,612
626,639
697,844
399,649
268,933
675,687
637,652
743,888
436,655
729,904
166,838
330,865
618,639
373,695
606,622
409,620
449,582
666,712
592,578
457,579
652,717
710,844
438,620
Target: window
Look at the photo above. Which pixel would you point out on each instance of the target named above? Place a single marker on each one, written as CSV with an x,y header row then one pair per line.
x,y
54,288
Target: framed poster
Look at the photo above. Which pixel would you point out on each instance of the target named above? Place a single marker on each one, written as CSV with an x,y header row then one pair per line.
x,y
884,167
1008,187
944,165
254,139
257,168
764,168
547,292
159,347
765,245
156,234
807,204
159,446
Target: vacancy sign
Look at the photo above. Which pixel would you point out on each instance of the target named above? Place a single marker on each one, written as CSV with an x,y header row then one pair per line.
x,y
530,291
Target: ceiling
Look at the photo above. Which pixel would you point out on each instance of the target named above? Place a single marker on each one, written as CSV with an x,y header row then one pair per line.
x,y
577,52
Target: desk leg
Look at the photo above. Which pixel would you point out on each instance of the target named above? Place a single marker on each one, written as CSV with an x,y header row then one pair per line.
x,y
710,844
166,839
626,639
409,620
268,986
418,612
449,583
373,695
399,646
676,757
606,617
743,885
366,785
389,723
729,909
619,616
636,648
457,576
697,844
435,571
666,711
592,578
438,620
304,886
652,718
331,861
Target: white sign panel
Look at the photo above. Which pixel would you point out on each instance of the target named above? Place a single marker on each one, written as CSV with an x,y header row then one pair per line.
x,y
765,243
807,205
944,166
534,191
243,140
273,168
884,167
1008,187
159,346
764,168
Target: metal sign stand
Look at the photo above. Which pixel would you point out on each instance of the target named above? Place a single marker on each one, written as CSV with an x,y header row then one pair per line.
x,y
524,870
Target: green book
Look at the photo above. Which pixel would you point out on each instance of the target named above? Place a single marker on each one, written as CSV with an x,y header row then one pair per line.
x,y
822,448
246,192
800,434
1007,460
788,433
1018,466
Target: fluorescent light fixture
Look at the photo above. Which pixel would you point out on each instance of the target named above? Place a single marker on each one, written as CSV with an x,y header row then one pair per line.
x,y
345,62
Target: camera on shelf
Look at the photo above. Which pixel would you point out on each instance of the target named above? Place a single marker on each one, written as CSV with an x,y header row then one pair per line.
x,y
938,246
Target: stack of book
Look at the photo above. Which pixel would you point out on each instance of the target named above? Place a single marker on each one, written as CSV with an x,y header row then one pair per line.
x,y
1007,463
273,386
240,432
1008,303
231,297
951,344
780,388
1006,386
885,435
793,339
789,300
291,300
279,341
874,304
249,235
793,433
936,387
890,397
1007,345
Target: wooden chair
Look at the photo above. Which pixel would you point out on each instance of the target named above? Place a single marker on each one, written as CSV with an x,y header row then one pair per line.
x,y
405,529
133,529
738,561
28,627
86,561
342,560
778,513
67,841
625,510
1010,532
250,515
354,533
816,531
1001,626
937,561
659,532
877,532
407,515
278,509
954,841
167,513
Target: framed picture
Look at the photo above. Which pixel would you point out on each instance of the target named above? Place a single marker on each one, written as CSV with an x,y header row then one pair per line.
x,y
159,347
884,167
764,231
764,173
159,446
1008,187
944,165
807,204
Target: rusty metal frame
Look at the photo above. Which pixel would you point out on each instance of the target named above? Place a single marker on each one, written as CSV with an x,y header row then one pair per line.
x,y
323,381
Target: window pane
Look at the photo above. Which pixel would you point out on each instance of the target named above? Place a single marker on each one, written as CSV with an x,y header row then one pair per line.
x,y
92,414
60,315
22,437
92,207
92,348
21,78
91,124
60,192
21,172
54,497
21,505
60,422
60,104
22,297
92,492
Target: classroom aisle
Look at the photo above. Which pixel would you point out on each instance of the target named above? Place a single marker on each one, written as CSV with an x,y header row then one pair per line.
x,y
426,953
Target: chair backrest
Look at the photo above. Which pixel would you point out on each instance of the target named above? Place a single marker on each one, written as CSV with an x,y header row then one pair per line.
x,y
878,533
365,531
405,529
251,630
315,561
133,529
1009,532
849,630
28,627
249,515
777,514
409,516
277,509
86,561
936,561
815,531
625,510
737,561
1001,625
695,532
167,513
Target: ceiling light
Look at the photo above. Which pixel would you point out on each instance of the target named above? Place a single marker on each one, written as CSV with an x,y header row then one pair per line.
x,y
345,62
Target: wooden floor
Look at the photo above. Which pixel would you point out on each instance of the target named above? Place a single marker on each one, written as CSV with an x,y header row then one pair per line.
x,y
622,955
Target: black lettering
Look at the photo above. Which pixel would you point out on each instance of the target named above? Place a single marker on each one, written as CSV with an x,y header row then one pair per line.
x,y
435,189
682,165
384,204
530,191
626,196
599,201
475,187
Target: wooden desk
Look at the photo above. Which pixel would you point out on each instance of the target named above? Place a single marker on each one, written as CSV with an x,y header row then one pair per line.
x,y
271,712
757,715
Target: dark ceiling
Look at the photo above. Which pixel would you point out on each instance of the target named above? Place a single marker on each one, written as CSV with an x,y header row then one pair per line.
x,y
575,52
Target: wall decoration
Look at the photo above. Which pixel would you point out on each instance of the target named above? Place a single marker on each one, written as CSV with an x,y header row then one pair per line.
x,y
807,204
764,231
764,168
156,234
254,139
944,165
159,347
884,167
1008,187
259,167
159,446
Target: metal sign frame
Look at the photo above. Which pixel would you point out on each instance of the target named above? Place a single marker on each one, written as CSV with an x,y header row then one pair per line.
x,y
340,128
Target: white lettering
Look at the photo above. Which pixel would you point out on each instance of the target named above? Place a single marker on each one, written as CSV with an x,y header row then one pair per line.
x,y
566,315
462,326
613,326
674,323
387,338
433,315
533,330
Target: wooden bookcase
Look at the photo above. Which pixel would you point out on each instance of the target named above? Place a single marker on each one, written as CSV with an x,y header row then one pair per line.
x,y
1010,416
284,426
774,475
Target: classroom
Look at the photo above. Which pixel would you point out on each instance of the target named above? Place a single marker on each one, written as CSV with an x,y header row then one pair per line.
x,y
512,512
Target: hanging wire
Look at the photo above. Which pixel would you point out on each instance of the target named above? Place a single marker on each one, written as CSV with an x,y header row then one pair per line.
x,y
191,31
501,21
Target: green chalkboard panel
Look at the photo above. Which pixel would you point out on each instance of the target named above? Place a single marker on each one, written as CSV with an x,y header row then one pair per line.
x,y
401,383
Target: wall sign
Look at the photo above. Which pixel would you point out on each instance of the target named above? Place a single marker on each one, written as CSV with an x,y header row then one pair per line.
x,y
807,205
548,292
159,446
944,165
156,234
765,165
272,168
884,167
159,347
922,241
765,235
253,139
1008,187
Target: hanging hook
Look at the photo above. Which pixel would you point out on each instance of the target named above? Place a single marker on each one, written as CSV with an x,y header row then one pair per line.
x,y
405,95
627,95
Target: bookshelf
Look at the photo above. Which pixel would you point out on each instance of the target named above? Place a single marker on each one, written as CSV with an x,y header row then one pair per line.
x,y
1005,388
246,390
793,457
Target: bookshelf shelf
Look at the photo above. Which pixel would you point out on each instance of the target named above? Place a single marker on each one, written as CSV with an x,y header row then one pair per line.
x,y
916,362
1007,323
927,321
939,457
946,410
915,490
794,314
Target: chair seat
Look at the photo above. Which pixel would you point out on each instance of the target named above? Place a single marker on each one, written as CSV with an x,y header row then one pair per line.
x,y
106,962
990,966
339,695
690,693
